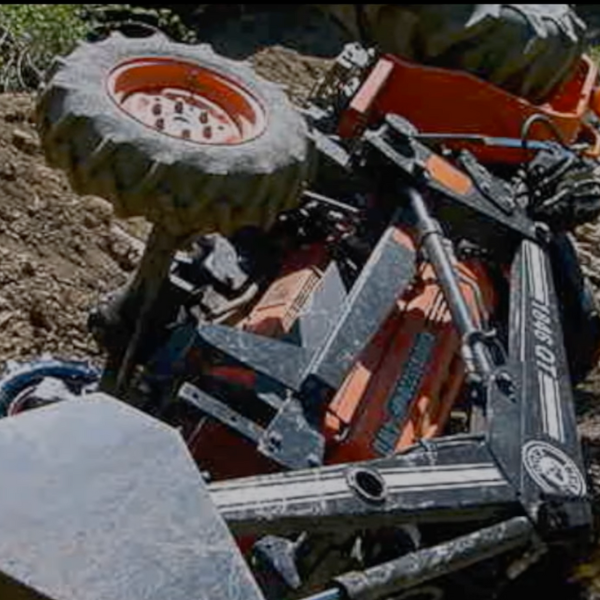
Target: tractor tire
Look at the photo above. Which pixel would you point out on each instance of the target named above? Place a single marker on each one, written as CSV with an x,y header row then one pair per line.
x,y
19,379
526,49
231,151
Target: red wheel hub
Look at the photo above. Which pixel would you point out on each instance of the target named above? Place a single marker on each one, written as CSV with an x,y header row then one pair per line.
x,y
186,101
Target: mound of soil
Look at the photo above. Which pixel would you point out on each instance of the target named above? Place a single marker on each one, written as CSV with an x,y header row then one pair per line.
x,y
58,251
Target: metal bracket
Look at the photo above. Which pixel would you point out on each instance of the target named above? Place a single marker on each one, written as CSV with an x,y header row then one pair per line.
x,y
498,192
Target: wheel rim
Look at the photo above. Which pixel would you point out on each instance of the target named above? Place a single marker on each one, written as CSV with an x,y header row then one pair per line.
x,y
186,101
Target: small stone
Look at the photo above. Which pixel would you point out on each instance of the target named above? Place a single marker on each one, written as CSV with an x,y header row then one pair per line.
x,y
5,303
91,221
5,318
99,208
25,141
8,171
38,316
28,268
15,117
8,215
46,173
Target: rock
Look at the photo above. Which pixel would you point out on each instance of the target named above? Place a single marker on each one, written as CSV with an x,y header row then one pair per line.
x,y
6,317
91,221
8,215
8,171
129,238
46,173
99,208
77,245
28,268
38,315
122,253
16,116
5,304
25,141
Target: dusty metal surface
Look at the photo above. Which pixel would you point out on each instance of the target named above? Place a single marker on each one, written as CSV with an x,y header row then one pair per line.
x,y
100,501
417,567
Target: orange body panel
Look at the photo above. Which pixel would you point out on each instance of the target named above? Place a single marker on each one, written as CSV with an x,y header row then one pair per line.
x,y
406,383
219,450
276,311
445,101
401,390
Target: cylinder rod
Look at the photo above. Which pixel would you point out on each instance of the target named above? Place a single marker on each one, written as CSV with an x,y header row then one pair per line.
x,y
433,241
416,568
140,300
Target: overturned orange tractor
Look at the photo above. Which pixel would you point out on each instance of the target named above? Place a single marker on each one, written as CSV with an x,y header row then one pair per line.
x,y
364,318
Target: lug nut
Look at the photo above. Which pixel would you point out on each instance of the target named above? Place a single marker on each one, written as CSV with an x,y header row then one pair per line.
x,y
179,106
160,123
156,109
207,132
203,117
186,134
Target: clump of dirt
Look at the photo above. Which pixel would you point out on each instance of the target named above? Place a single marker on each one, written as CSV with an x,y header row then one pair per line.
x,y
296,72
58,251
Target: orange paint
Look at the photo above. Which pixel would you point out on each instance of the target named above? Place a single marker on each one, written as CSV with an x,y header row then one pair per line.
x,y
440,100
449,176
186,101
409,378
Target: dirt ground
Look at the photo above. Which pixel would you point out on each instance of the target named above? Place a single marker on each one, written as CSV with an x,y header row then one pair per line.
x,y
60,251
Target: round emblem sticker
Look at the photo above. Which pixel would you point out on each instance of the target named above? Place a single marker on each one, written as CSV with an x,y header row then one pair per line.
x,y
552,469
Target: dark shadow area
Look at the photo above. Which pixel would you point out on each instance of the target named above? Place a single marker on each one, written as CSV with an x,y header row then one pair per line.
x,y
590,13
587,403
240,31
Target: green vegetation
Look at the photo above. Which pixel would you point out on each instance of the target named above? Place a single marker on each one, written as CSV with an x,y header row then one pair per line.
x,y
47,29
31,35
